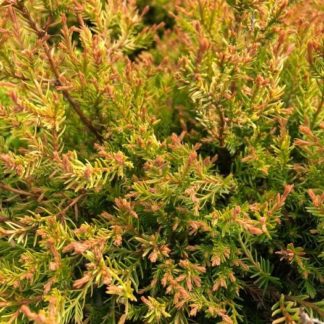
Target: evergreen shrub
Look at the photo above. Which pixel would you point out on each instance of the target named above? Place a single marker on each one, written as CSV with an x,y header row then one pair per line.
x,y
161,161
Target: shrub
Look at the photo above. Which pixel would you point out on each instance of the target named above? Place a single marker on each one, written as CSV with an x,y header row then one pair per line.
x,y
161,162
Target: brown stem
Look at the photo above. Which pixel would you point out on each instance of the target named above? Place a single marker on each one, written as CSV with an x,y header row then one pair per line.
x,y
42,35
16,191
22,302
71,204
221,125
319,109
4,219
306,304
275,295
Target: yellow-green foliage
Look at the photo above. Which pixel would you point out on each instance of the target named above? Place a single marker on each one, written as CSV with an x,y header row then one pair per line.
x,y
161,161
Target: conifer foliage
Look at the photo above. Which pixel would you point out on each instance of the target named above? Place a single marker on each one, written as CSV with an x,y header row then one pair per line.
x,y
161,161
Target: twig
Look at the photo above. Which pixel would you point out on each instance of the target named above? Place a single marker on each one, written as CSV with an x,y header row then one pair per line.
x,y
306,304
275,295
5,219
71,204
319,109
222,124
16,191
21,302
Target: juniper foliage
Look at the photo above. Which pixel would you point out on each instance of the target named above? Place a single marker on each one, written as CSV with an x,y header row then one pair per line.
x,y
161,161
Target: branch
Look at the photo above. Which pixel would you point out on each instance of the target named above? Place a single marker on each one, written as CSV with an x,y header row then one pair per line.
x,y
16,191
5,219
222,124
319,109
275,295
43,36
306,304
71,204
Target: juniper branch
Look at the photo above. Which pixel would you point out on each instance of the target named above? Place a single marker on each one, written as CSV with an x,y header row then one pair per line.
x,y
71,204
16,191
43,36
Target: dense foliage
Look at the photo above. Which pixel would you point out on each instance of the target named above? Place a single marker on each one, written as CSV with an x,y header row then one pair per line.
x,y
161,161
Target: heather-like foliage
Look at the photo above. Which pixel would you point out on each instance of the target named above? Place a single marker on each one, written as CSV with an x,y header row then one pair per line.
x,y
161,161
